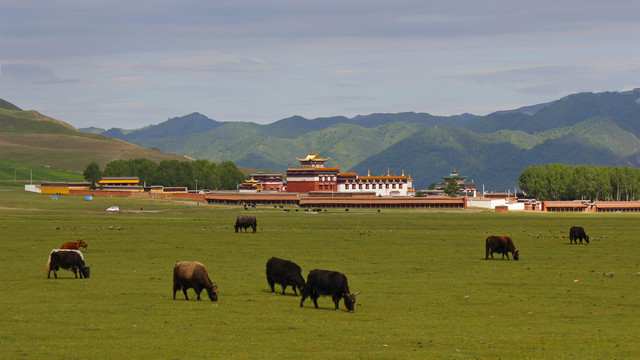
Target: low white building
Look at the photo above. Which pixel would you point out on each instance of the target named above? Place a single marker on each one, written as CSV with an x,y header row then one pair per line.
x,y
490,204
385,185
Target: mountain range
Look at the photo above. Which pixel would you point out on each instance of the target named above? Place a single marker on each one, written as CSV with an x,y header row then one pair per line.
x,y
492,150
583,128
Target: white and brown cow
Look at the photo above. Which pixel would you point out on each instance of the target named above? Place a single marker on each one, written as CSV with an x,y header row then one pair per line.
x,y
69,260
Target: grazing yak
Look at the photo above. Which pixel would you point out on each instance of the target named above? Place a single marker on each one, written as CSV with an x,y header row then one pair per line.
x,y
192,274
245,221
577,233
325,282
74,245
69,260
284,272
501,245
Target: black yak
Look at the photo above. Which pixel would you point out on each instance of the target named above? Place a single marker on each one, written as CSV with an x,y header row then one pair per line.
x,y
577,233
245,221
325,282
285,273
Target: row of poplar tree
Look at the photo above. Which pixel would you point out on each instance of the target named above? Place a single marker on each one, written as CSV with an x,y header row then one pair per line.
x,y
582,182
200,174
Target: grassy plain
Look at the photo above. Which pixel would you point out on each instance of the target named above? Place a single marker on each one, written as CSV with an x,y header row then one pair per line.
x,y
427,291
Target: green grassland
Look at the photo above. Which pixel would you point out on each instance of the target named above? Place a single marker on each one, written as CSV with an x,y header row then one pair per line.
x,y
427,291
15,173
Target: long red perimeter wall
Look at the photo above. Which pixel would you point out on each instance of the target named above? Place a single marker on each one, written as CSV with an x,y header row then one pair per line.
x,y
288,198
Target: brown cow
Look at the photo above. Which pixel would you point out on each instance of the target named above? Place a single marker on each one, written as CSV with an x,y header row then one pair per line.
x,y
192,274
74,245
501,245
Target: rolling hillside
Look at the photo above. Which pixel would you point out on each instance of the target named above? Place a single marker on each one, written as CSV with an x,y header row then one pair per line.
x,y
590,129
275,146
30,138
494,162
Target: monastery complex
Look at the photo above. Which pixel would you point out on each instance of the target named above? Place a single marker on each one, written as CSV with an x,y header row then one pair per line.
x,y
314,186
313,176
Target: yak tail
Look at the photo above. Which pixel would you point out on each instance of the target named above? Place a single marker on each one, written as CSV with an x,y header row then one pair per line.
x,y
49,266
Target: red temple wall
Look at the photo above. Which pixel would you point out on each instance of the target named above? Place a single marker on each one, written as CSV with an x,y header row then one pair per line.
x,y
302,186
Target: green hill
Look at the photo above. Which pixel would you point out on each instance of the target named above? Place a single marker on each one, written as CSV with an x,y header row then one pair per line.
x,y
493,160
275,146
621,107
32,139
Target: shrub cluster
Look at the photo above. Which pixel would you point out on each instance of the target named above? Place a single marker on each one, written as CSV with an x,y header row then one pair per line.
x,y
209,175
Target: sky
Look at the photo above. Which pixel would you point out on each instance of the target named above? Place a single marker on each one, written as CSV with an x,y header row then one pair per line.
x,y
129,64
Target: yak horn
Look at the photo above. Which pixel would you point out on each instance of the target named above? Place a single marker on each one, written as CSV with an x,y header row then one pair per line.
x,y
356,293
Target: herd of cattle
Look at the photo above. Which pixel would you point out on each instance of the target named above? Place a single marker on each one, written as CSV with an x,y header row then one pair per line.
x,y
192,274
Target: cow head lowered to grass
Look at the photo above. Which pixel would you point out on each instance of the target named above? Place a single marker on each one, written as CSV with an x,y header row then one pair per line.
x,y
577,233
244,222
501,245
192,274
69,260
328,283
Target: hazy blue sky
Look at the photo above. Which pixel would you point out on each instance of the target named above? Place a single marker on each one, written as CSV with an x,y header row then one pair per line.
x,y
113,63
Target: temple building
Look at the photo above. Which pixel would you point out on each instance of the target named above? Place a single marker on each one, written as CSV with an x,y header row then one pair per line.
x,y
384,185
261,182
312,175
466,188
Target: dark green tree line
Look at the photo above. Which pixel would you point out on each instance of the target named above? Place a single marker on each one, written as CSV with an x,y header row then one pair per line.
x,y
209,175
582,182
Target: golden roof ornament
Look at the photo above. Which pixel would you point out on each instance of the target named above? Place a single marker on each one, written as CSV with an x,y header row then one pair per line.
x,y
313,156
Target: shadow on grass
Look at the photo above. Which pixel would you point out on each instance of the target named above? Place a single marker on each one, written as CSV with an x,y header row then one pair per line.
x,y
287,293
